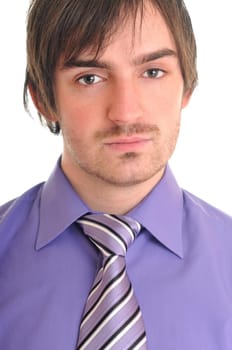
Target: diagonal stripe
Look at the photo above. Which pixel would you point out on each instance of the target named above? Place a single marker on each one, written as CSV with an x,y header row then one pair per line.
x,y
113,311
138,343
123,223
105,292
105,250
112,318
111,273
116,315
126,225
106,229
115,224
122,330
96,284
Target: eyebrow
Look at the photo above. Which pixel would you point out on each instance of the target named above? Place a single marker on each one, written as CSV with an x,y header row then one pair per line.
x,y
95,63
154,56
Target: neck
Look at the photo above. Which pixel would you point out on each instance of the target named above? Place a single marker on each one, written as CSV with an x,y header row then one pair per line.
x,y
105,197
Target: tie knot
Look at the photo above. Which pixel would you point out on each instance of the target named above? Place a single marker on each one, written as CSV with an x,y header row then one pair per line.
x,y
112,234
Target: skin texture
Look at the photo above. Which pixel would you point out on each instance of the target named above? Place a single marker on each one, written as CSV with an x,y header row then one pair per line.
x,y
120,120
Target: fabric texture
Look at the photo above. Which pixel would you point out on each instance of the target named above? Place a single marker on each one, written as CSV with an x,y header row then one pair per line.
x,y
112,318
180,266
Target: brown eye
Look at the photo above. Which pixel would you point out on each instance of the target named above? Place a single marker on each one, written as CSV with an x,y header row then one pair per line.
x,y
89,79
153,73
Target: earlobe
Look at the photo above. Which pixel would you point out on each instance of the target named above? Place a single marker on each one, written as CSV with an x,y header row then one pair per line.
x,y
39,105
186,98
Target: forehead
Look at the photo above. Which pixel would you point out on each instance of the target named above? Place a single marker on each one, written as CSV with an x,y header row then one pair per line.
x,y
144,33
147,30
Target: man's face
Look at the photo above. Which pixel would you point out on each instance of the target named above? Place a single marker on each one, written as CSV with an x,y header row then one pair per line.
x,y
120,114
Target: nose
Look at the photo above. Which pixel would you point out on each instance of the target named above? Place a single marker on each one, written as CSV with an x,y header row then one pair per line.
x,y
124,104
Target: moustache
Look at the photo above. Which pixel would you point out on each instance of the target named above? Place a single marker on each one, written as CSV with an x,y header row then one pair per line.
x,y
127,130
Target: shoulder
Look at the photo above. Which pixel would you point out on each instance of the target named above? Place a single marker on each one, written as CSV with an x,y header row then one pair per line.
x,y
19,206
17,216
201,213
207,239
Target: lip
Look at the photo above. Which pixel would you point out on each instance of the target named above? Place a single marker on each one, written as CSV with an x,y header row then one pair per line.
x,y
127,143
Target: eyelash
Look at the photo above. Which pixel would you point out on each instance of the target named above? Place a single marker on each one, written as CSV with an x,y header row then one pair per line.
x,y
157,71
82,79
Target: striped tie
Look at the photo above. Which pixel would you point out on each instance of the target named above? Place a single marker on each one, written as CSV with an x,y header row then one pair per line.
x,y
112,318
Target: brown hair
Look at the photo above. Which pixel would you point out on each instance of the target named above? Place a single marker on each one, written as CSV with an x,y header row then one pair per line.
x,y
64,28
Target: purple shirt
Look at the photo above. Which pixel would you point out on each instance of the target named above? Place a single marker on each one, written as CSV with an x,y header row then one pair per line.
x,y
180,266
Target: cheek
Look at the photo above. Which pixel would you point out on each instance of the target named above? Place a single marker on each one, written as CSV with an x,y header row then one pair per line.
x,y
172,107
73,114
166,111
165,98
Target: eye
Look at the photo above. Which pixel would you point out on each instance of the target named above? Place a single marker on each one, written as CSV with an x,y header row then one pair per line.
x,y
153,73
89,79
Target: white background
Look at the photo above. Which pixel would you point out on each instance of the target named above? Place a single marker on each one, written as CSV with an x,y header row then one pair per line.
x,y
202,161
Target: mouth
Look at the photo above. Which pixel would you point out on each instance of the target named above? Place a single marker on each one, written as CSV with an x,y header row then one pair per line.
x,y
127,144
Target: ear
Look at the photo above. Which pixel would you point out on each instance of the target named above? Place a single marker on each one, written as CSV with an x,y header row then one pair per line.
x,y
39,105
186,98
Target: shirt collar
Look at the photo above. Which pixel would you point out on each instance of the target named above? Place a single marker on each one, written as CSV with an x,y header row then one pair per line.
x,y
60,206
160,212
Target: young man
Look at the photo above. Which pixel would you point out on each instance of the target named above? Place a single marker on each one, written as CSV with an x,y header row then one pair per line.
x,y
113,76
